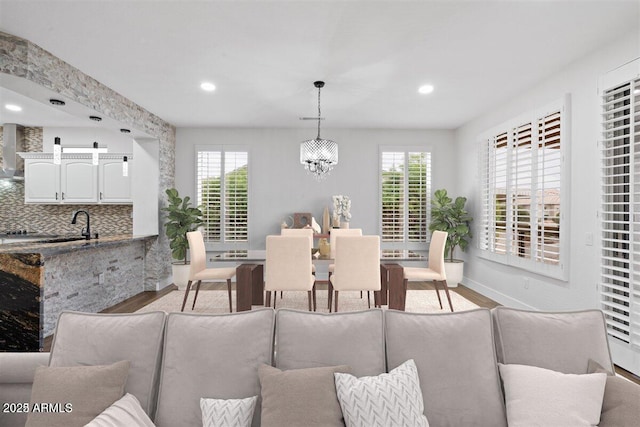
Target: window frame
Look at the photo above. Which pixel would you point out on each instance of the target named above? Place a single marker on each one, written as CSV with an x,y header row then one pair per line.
x,y
487,206
223,149
405,243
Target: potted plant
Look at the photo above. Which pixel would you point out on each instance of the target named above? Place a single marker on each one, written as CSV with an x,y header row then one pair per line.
x,y
181,218
449,215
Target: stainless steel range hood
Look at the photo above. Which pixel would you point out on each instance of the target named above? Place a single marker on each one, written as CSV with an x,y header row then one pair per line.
x,y
12,143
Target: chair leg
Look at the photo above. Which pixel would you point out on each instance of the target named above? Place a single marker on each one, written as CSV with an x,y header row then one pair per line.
x,y
280,294
329,292
361,297
336,302
315,305
267,299
196,296
275,298
435,285
229,291
186,294
310,299
446,290
368,298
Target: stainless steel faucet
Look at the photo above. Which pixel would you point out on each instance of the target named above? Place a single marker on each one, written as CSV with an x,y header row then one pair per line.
x,y
86,233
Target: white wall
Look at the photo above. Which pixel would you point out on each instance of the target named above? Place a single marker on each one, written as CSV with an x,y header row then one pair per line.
x,y
279,185
505,284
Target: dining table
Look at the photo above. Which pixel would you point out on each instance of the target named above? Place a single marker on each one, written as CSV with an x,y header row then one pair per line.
x,y
250,275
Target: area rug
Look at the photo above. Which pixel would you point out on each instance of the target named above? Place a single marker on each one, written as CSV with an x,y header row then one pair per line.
x,y
418,301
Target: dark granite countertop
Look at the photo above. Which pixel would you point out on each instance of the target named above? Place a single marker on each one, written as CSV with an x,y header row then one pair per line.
x,y
70,246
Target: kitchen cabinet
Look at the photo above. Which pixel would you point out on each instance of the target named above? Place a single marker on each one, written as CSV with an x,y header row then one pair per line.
x,y
76,180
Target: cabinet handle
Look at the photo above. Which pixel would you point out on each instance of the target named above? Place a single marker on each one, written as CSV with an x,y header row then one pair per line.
x,y
63,195
56,195
101,195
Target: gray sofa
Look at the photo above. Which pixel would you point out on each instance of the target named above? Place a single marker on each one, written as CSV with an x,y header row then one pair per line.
x,y
178,358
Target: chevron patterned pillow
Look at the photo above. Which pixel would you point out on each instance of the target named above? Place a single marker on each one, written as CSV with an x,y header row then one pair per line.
x,y
227,412
392,399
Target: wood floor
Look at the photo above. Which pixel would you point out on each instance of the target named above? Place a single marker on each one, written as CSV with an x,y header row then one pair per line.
x,y
137,302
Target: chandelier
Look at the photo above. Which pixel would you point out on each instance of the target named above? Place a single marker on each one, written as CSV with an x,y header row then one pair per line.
x,y
319,155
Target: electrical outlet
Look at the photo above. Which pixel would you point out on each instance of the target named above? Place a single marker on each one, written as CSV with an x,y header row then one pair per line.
x,y
101,279
526,282
588,239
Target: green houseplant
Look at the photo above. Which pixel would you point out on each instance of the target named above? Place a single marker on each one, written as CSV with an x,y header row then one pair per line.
x,y
181,218
450,215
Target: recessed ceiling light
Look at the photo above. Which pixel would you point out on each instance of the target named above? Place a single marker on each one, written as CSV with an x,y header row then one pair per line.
x,y
208,86
96,118
54,101
425,89
13,107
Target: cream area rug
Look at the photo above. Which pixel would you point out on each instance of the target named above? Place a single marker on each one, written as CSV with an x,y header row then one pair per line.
x,y
418,301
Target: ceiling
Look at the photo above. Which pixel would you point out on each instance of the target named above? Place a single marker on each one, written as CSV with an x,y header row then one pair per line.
x,y
263,56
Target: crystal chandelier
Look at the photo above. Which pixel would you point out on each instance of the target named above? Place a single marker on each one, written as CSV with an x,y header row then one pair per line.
x,y
319,155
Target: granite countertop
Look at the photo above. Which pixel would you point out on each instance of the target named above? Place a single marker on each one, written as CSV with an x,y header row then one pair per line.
x,y
70,246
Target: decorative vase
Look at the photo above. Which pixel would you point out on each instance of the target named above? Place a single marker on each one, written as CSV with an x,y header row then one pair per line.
x,y
325,220
180,275
324,247
344,224
336,222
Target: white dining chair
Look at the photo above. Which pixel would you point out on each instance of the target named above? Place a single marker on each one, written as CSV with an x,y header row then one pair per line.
x,y
333,236
199,272
357,265
435,272
288,268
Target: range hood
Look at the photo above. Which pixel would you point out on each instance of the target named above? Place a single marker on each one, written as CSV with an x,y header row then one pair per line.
x,y
12,143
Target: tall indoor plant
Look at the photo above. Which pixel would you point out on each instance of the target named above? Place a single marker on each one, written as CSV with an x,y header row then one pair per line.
x,y
450,215
181,218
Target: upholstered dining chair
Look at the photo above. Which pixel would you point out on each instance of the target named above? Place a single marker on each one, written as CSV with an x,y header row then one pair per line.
x,y
300,232
199,272
435,272
288,268
334,234
357,265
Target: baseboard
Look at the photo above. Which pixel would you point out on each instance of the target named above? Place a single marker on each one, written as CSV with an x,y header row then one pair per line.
x,y
498,297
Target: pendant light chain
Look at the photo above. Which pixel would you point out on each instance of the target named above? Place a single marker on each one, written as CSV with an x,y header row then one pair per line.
x,y
319,115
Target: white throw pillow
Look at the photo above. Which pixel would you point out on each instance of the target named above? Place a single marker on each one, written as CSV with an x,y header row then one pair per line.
x,y
125,412
227,412
392,399
541,397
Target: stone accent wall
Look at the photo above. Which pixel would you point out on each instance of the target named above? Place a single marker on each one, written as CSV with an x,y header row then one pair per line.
x,y
21,58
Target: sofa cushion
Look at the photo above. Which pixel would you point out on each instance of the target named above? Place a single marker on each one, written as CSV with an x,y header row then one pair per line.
x,y
81,392
559,341
100,339
620,406
300,397
456,362
212,357
542,397
125,412
228,412
306,340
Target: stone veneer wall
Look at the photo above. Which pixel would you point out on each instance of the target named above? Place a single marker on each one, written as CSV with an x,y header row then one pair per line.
x,y
54,219
21,58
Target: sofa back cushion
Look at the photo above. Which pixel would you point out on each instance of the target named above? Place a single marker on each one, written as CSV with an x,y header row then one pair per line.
x,y
307,340
212,357
103,339
562,342
456,362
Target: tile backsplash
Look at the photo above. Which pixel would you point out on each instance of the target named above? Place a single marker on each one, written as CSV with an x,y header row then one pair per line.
x,y
55,219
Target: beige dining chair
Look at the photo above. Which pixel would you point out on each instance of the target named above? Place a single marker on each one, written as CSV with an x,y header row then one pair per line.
x,y
357,265
334,234
435,272
199,272
288,268
300,232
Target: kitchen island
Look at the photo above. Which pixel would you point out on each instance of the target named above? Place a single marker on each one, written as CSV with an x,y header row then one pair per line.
x,y
39,280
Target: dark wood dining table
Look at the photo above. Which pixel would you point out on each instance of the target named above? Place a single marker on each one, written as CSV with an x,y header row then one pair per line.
x,y
250,275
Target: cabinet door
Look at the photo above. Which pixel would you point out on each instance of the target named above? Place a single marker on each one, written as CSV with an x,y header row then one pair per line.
x,y
41,181
79,181
114,187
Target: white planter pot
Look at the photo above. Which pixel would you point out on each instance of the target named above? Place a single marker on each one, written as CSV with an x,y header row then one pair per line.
x,y
454,271
180,275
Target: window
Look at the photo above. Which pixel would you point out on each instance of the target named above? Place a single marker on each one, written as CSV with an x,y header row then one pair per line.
x,y
620,212
522,177
405,195
223,193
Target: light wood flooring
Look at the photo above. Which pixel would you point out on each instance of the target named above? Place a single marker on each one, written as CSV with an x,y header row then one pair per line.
x,y
138,301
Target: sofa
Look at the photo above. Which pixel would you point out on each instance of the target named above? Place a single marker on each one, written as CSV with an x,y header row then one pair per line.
x,y
178,358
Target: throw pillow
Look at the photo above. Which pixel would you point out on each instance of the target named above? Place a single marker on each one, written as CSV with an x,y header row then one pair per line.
x,y
392,399
125,412
73,396
620,405
227,412
300,397
541,397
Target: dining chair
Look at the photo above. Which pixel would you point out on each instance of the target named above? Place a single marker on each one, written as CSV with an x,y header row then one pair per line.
x,y
357,265
199,272
288,268
435,272
300,232
334,234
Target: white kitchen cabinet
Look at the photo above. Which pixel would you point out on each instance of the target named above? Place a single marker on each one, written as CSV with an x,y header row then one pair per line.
x,y
114,186
42,181
78,181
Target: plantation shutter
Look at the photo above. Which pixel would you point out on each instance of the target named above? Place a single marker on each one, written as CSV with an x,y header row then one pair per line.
x,y
392,199
209,192
235,196
493,172
521,195
620,213
418,195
